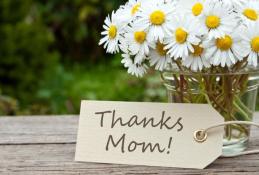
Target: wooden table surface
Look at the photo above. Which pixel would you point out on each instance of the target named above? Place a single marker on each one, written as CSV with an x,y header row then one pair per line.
x,y
46,145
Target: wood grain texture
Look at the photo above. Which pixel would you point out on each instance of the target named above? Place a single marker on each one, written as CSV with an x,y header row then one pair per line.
x,y
38,129
46,145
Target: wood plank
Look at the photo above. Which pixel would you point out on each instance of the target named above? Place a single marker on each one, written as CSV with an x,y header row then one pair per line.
x,y
45,145
38,129
58,159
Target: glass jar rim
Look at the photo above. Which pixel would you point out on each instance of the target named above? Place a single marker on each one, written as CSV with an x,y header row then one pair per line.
x,y
251,70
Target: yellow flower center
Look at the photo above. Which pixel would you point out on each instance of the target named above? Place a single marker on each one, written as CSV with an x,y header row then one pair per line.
x,y
160,49
180,35
140,36
224,43
112,32
212,21
197,50
255,44
250,14
157,17
135,8
197,9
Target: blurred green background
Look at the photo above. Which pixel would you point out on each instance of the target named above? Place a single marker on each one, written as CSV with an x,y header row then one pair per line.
x,y
50,58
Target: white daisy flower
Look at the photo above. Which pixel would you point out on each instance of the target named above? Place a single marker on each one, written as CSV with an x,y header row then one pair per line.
x,y
156,18
224,51
218,19
196,61
126,61
127,13
136,69
234,3
137,40
137,58
186,31
171,1
251,43
249,12
124,45
112,34
159,57
196,8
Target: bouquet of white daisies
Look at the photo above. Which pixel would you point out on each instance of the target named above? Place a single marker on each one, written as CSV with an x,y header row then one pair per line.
x,y
196,35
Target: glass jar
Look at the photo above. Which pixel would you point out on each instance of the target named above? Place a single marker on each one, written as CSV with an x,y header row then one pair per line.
x,y
233,95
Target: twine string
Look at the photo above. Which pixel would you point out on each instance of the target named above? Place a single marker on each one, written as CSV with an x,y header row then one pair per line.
x,y
201,135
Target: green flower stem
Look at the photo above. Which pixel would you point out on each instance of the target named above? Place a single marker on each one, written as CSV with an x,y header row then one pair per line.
x,y
242,112
241,104
207,98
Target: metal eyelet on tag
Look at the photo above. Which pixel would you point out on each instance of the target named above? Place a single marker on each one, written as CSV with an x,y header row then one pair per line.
x,y
200,136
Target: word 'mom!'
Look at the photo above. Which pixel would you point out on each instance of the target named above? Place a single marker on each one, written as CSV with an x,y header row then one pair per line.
x,y
163,122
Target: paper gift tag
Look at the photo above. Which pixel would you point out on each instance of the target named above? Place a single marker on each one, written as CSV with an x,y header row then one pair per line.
x,y
153,134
